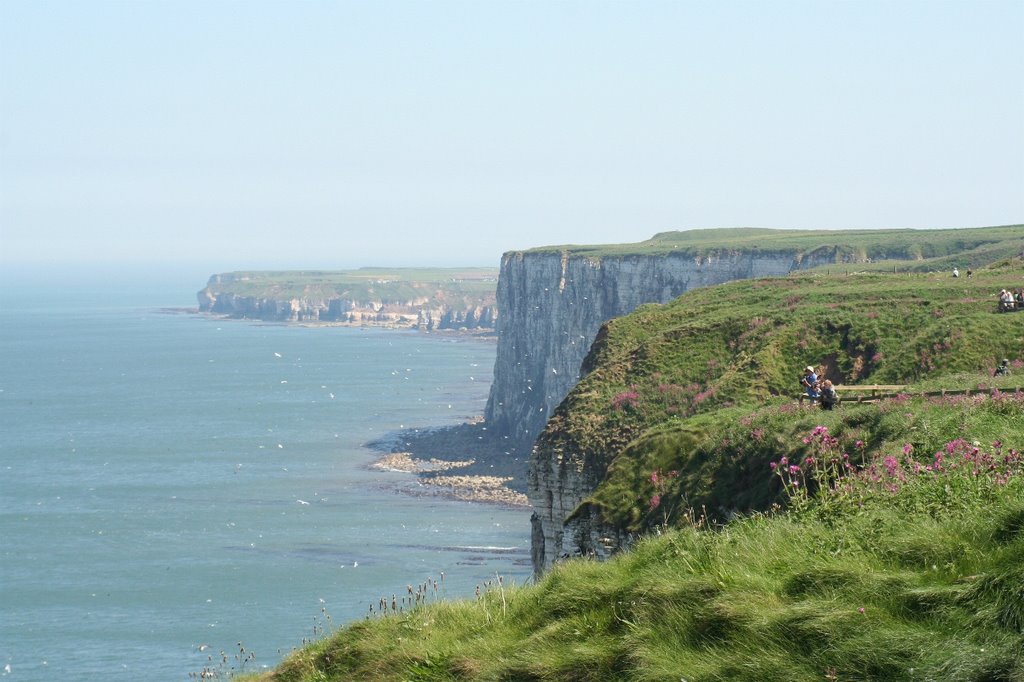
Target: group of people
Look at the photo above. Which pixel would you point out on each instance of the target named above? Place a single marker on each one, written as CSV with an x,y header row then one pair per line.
x,y
1009,300
822,391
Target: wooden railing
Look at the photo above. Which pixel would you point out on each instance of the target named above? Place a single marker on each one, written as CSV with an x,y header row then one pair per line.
x,y
866,393
869,393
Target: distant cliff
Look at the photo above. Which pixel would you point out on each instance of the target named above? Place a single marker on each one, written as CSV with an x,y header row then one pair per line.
x,y
423,299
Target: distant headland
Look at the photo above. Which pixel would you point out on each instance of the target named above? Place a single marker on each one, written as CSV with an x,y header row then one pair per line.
x,y
425,299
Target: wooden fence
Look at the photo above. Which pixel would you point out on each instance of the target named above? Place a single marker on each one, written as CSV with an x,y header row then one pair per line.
x,y
870,393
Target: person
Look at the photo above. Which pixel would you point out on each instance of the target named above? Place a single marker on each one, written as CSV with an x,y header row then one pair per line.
x,y
1003,370
1019,298
829,397
956,273
969,273
810,383
1005,300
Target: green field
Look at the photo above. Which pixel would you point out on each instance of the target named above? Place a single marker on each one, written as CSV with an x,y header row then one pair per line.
x,y
973,246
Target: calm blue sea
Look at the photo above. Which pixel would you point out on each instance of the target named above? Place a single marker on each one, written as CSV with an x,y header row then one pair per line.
x,y
172,485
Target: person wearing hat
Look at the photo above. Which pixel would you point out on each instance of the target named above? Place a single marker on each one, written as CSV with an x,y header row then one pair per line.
x,y
810,383
1005,300
1003,370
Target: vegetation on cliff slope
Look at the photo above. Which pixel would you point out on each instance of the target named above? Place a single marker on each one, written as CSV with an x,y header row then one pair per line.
x,y
974,246
717,463
890,541
676,368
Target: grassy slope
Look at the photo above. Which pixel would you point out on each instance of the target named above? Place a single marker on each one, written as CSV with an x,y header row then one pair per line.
x,y
924,584
721,460
855,245
741,343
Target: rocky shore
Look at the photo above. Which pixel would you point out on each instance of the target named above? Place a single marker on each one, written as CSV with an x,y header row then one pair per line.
x,y
485,473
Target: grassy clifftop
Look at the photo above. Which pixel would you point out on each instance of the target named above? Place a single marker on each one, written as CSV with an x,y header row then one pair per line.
x,y
395,284
848,245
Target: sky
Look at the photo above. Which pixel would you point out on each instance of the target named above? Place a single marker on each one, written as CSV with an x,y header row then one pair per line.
x,y
298,134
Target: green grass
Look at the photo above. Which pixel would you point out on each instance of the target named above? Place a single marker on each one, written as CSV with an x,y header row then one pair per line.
x,y
847,246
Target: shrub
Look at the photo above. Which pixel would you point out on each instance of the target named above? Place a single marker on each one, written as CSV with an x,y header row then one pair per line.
x,y
959,476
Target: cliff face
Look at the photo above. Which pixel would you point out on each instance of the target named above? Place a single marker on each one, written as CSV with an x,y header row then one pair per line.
x,y
415,314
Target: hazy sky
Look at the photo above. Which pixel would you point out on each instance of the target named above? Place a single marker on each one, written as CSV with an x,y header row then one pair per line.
x,y
337,134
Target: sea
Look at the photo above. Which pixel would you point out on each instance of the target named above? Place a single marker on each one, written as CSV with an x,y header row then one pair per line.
x,y
177,488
